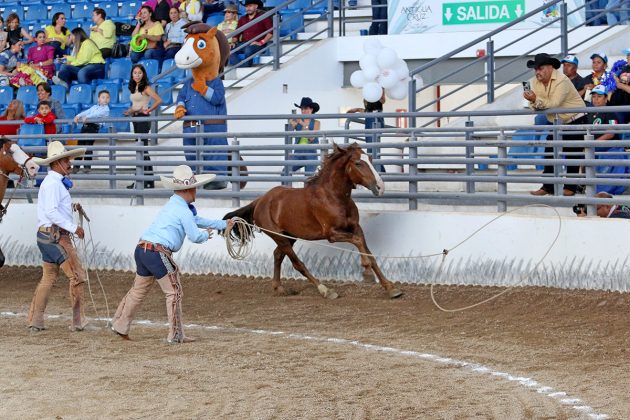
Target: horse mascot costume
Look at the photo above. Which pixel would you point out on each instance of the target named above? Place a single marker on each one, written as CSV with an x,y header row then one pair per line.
x,y
206,52
12,161
323,209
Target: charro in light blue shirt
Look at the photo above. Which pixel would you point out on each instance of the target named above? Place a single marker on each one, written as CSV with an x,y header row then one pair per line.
x,y
175,222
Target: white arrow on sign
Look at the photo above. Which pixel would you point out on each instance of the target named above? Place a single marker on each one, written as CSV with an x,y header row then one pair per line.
x,y
518,10
448,14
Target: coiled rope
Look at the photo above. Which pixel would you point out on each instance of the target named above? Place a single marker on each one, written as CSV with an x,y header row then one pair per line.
x,y
239,246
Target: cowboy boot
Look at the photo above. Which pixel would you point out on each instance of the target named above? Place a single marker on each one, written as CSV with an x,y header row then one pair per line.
x,y
76,284
130,304
172,288
40,298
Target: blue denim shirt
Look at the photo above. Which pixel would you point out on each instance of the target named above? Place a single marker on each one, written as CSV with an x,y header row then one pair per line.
x,y
212,104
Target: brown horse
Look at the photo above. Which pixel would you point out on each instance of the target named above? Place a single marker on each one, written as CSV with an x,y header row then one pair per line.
x,y
323,209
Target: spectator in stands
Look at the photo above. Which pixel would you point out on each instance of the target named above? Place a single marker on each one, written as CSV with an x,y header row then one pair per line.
x,y
3,35
191,10
569,68
621,95
103,33
57,35
141,94
44,93
15,33
15,111
85,64
42,56
306,123
611,211
148,31
174,34
379,18
252,36
162,12
599,74
229,22
212,6
8,63
44,116
100,110
552,89
595,14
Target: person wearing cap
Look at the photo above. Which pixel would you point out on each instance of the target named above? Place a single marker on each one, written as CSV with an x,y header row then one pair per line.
x,y
569,68
229,23
176,221
621,95
55,227
599,76
255,37
308,107
552,89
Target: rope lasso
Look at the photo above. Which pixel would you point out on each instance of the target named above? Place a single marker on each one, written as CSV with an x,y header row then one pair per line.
x,y
242,245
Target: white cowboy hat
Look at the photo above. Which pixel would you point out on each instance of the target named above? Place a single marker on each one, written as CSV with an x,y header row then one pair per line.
x,y
184,178
57,151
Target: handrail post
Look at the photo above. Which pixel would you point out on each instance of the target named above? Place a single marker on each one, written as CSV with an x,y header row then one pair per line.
x,y
285,167
589,173
139,183
413,172
412,101
331,18
276,41
111,170
564,29
556,155
501,172
342,18
470,151
198,142
236,172
490,70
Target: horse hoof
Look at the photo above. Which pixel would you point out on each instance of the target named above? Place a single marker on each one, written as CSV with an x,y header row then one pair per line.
x,y
331,294
280,291
395,293
368,277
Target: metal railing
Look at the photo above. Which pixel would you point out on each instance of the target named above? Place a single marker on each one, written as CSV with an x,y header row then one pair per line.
x,y
463,159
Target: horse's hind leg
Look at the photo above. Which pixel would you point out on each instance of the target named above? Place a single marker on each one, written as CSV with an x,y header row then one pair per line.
x,y
278,257
287,248
368,273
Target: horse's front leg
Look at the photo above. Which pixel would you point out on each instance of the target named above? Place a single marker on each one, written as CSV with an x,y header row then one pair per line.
x,y
342,236
278,256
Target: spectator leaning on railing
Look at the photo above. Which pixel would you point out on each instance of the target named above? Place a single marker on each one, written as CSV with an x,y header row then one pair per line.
x,y
552,89
252,33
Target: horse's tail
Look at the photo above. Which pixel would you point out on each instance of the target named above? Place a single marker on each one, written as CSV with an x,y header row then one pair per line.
x,y
246,213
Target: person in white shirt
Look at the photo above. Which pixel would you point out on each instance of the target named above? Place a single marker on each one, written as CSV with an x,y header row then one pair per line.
x,y
55,227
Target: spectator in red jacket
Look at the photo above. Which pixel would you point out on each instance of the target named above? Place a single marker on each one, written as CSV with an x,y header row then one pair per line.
x,y
254,33
44,116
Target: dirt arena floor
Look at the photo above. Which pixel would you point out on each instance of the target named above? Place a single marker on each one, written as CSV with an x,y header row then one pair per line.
x,y
533,353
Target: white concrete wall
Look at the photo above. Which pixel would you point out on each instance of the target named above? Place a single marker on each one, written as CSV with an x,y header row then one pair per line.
x,y
589,253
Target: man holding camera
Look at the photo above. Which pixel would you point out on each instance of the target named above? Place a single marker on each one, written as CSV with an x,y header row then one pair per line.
x,y
549,89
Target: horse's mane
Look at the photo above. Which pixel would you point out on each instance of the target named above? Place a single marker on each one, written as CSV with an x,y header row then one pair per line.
x,y
329,159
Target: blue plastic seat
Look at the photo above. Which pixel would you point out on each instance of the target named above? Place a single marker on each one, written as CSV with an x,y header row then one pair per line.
x,y
177,76
36,12
292,20
111,87
526,152
30,129
82,11
6,95
13,7
300,4
160,89
124,95
129,10
214,19
151,66
73,23
64,8
116,111
120,70
273,3
80,94
71,110
110,7
28,95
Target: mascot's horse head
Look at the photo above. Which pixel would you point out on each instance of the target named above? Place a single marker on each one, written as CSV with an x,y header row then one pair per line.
x,y
205,51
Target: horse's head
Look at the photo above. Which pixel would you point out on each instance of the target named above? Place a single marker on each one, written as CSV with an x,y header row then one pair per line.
x,y
360,169
14,160
204,50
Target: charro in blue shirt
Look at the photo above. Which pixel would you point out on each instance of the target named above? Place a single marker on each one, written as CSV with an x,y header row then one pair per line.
x,y
175,222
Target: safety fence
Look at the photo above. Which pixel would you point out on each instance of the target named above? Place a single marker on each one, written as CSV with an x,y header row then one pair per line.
x,y
465,165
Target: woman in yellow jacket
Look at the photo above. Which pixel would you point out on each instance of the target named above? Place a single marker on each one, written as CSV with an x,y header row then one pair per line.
x,y
85,64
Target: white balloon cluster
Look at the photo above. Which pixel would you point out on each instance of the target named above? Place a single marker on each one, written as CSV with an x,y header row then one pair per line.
x,y
380,69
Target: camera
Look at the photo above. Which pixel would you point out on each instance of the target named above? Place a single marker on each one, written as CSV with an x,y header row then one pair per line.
x,y
579,209
526,86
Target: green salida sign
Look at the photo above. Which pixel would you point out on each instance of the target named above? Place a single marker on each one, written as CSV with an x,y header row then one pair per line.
x,y
482,12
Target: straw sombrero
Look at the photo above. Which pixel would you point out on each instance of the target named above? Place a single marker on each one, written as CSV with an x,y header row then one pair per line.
x,y
184,178
57,151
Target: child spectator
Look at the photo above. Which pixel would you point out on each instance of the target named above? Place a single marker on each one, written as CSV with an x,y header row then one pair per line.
x,y
100,110
44,116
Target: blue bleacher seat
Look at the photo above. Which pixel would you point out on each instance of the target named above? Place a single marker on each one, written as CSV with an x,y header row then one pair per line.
x,y
6,95
291,21
110,7
71,111
73,23
120,70
300,4
214,19
151,66
80,94
36,12
75,1
160,88
176,76
82,11
129,9
115,111
26,129
59,93
64,8
526,152
124,95
28,95
111,87
273,3
8,8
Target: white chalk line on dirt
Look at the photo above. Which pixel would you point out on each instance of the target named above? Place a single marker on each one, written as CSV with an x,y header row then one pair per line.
x,y
528,383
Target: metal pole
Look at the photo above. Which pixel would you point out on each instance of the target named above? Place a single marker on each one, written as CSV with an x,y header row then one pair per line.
x,y
236,171
556,154
285,167
276,41
490,70
413,172
331,18
470,151
198,142
139,183
111,169
501,172
589,171
412,101
564,29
